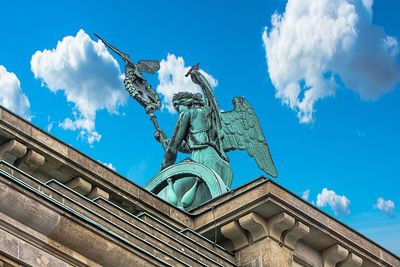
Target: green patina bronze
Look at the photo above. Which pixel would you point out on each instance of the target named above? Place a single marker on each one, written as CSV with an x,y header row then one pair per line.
x,y
187,184
203,131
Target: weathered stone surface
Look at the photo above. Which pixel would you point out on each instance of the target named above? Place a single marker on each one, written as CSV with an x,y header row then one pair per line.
x,y
298,231
49,141
235,234
90,242
279,223
23,208
14,121
12,150
22,232
80,185
265,252
98,192
259,210
351,261
308,254
30,162
334,254
255,224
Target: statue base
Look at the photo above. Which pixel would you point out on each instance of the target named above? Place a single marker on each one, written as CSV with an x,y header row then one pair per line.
x,y
187,184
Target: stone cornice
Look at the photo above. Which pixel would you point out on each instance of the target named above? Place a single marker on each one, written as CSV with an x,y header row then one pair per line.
x,y
267,195
31,147
255,211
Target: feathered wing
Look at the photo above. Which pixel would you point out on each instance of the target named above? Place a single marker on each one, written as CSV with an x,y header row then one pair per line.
x,y
241,130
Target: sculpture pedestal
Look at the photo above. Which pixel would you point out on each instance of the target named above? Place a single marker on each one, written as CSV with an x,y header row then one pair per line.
x,y
187,184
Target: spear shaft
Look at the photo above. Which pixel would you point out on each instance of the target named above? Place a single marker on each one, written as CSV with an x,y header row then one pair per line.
x,y
138,87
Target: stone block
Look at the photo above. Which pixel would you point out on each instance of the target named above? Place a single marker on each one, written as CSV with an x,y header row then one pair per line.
x,y
278,224
12,150
30,162
351,261
80,185
235,234
255,224
98,192
334,254
298,231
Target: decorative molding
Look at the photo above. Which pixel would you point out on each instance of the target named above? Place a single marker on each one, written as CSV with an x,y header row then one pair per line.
x,y
278,224
255,224
80,185
12,150
298,231
352,260
235,234
31,161
98,192
334,254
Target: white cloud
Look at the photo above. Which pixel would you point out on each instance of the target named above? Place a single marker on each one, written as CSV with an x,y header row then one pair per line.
x,y
172,80
109,165
11,94
386,206
314,44
50,124
89,77
340,205
306,195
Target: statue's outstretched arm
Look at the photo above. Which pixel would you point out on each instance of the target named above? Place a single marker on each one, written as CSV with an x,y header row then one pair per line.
x,y
176,140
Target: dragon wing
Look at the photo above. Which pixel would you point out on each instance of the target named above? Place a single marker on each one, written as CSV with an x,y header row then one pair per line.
x,y
241,130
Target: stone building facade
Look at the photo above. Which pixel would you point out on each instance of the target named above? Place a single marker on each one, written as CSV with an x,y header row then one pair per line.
x,y
59,207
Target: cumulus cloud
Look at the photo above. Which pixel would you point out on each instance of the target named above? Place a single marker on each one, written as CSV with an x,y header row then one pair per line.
x,y
386,206
172,80
340,205
11,94
316,46
89,77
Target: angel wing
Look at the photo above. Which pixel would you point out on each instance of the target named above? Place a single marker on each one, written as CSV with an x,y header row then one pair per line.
x,y
241,130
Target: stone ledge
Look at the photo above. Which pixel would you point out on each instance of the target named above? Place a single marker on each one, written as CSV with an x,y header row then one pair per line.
x,y
269,196
92,171
12,150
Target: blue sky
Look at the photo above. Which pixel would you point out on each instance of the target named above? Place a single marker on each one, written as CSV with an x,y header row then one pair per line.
x,y
344,138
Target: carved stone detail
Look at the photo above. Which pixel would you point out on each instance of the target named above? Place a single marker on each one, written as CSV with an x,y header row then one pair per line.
x,y
98,192
351,261
279,223
31,161
80,185
12,150
235,234
334,254
298,231
255,224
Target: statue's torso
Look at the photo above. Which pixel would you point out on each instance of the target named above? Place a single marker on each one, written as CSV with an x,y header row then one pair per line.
x,y
198,133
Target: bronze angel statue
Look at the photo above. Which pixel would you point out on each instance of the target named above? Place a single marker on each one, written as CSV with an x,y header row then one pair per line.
x,y
207,133
203,131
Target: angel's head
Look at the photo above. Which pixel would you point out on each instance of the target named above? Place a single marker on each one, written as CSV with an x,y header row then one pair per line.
x,y
186,100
